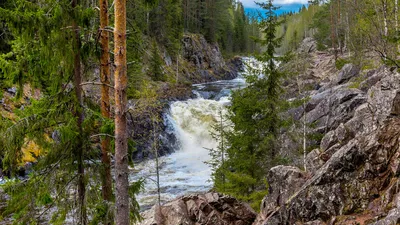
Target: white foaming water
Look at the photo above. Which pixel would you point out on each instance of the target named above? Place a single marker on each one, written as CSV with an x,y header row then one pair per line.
x,y
184,172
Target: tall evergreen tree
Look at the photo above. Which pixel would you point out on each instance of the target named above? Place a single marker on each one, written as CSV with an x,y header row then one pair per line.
x,y
49,53
255,110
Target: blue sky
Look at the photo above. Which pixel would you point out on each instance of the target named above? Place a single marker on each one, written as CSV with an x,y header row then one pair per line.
x,y
286,5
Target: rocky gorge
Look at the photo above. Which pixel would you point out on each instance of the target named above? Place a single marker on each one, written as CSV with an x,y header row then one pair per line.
x,y
201,62
350,173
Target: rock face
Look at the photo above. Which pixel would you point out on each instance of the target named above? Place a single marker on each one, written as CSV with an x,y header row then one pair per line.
x,y
284,181
352,175
207,60
144,128
347,72
308,45
207,209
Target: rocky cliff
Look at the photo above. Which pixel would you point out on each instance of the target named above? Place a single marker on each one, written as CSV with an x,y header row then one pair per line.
x,y
205,62
351,174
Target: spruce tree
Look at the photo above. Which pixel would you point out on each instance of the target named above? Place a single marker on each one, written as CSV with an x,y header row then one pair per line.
x,y
156,70
53,50
218,154
47,52
255,114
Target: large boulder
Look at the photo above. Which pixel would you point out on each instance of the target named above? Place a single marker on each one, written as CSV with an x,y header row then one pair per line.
x,y
284,182
347,72
208,209
308,45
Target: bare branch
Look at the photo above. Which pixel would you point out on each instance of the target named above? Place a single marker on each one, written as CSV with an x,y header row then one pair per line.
x,y
100,135
96,83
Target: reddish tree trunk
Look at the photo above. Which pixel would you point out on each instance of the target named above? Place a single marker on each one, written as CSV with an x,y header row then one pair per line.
x,y
121,140
105,99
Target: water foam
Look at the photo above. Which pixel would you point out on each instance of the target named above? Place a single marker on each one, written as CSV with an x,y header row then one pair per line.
x,y
184,171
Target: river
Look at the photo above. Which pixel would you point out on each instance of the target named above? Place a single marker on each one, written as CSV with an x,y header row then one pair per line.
x,y
184,171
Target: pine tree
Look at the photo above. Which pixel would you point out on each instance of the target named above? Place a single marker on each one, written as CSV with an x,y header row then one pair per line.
x,y
121,132
105,102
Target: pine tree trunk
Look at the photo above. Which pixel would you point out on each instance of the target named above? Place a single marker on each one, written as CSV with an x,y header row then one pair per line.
x,y
338,23
333,31
121,136
177,68
348,41
105,100
80,117
396,18
385,20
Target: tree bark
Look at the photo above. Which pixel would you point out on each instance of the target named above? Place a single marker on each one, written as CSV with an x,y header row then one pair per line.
x,y
333,31
121,137
105,100
80,117
385,20
396,18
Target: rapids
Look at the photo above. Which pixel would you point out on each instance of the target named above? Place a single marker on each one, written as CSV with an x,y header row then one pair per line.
x,y
184,171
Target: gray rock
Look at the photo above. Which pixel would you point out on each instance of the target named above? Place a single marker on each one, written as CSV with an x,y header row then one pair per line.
x,y
372,77
360,158
347,72
308,45
333,107
314,161
315,222
284,182
208,60
12,90
208,209
392,218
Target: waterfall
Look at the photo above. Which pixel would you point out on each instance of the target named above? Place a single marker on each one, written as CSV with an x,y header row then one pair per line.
x,y
184,171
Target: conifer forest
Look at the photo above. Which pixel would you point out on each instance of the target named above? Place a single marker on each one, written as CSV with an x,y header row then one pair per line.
x,y
200,112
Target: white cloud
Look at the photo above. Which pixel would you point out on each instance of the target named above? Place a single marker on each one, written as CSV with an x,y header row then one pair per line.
x,y
251,4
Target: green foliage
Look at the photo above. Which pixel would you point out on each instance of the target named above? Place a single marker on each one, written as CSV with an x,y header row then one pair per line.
x,y
340,63
135,188
356,82
156,62
296,27
218,155
256,197
223,22
322,25
42,53
166,24
255,114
